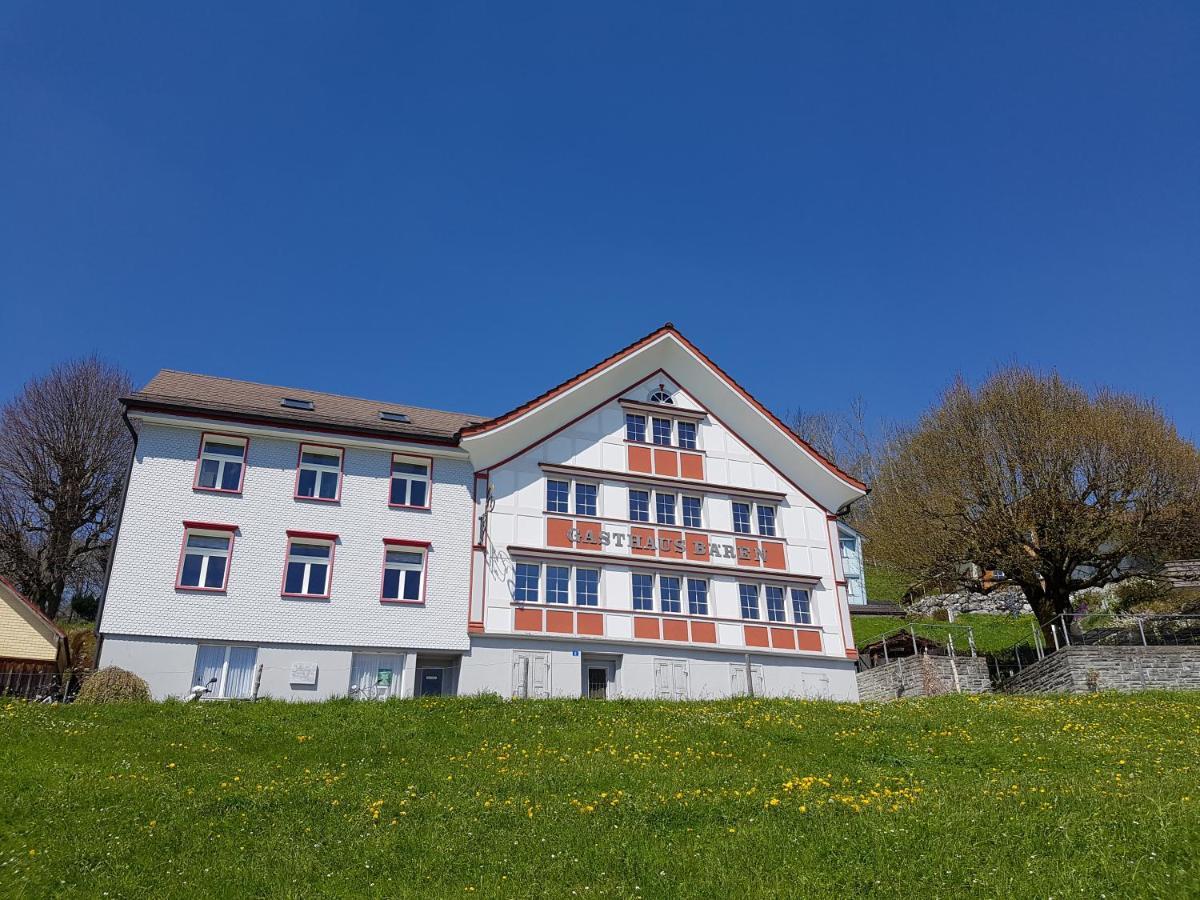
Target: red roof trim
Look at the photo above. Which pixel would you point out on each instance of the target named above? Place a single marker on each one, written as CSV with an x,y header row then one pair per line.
x,y
41,615
668,328
210,526
313,535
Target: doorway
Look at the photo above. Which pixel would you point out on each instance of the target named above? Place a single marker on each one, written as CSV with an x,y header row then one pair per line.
x,y
599,677
375,676
432,682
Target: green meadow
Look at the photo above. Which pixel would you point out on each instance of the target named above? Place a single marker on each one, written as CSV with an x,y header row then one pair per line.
x,y
987,796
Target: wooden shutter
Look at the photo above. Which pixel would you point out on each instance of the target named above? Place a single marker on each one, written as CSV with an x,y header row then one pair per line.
x,y
679,672
520,684
662,679
540,676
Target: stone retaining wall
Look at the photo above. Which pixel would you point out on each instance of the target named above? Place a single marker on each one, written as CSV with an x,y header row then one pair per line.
x,y
924,676
1080,670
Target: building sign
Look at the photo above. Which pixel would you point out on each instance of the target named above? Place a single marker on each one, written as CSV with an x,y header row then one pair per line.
x,y
384,678
698,546
304,673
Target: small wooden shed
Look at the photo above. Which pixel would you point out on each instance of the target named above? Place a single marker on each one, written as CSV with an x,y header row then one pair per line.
x,y
29,642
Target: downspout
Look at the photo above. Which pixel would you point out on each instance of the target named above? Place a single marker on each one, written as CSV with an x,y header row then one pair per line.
x,y
112,550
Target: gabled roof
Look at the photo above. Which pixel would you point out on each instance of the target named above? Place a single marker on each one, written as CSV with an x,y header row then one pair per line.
x,y
666,349
8,589
170,390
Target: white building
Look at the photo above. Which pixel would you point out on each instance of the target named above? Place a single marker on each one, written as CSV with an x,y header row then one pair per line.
x,y
645,529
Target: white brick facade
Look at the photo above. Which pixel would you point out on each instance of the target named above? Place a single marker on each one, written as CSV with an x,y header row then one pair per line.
x,y
472,633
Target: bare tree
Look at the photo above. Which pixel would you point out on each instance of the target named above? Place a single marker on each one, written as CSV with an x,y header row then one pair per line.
x,y
846,438
1060,488
63,454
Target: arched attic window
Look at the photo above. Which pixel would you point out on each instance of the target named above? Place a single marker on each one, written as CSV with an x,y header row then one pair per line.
x,y
661,396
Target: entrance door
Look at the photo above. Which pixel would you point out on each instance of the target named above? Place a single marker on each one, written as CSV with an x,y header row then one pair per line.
x,y
597,682
431,682
375,676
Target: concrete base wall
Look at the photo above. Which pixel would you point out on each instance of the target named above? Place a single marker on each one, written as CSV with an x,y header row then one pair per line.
x,y
168,667
925,676
1080,670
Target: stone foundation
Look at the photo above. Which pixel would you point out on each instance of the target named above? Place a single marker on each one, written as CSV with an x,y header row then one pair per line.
x,y
924,676
1080,670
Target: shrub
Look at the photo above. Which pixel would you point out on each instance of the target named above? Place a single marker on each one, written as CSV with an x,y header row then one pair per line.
x,y
113,685
85,606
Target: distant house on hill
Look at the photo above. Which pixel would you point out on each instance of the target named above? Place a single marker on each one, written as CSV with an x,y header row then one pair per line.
x,y
29,642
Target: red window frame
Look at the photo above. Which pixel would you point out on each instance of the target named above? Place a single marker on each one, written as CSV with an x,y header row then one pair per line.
x,y
424,546
428,492
188,527
309,537
337,498
205,435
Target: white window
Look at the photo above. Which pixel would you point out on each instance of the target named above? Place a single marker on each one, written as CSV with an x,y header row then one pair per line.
x,y
204,562
664,508
748,595
639,505
587,587
319,473
403,573
661,431
558,495
635,428
222,464
686,432
691,512
802,606
766,520
661,396
410,482
643,592
525,588
669,597
309,567
585,498
226,670
741,517
558,584
697,597
775,607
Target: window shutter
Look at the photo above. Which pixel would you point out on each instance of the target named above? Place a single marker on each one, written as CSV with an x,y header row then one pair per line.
x,y
541,675
679,670
520,684
737,673
662,679
756,673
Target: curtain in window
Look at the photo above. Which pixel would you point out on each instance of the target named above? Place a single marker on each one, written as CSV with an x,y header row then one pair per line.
x,y
209,660
240,677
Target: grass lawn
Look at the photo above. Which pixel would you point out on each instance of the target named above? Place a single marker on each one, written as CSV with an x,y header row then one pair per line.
x,y
991,796
991,632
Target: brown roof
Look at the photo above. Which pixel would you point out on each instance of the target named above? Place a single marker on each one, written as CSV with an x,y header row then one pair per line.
x,y
186,392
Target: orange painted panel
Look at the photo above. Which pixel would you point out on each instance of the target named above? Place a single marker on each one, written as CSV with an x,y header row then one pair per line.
x,y
809,640
590,623
782,639
851,653
528,620
645,535
589,536
675,630
666,545
775,555
559,621
704,632
746,551
666,462
639,460
645,628
558,531
756,636
692,552
691,465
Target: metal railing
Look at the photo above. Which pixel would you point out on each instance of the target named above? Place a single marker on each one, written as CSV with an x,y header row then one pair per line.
x,y
914,640
41,686
1123,630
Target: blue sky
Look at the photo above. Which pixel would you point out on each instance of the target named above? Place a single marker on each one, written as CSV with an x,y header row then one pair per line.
x,y
460,205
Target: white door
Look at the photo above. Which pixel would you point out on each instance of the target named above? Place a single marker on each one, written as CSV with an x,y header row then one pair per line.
x,y
679,679
375,676
531,675
671,679
737,673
